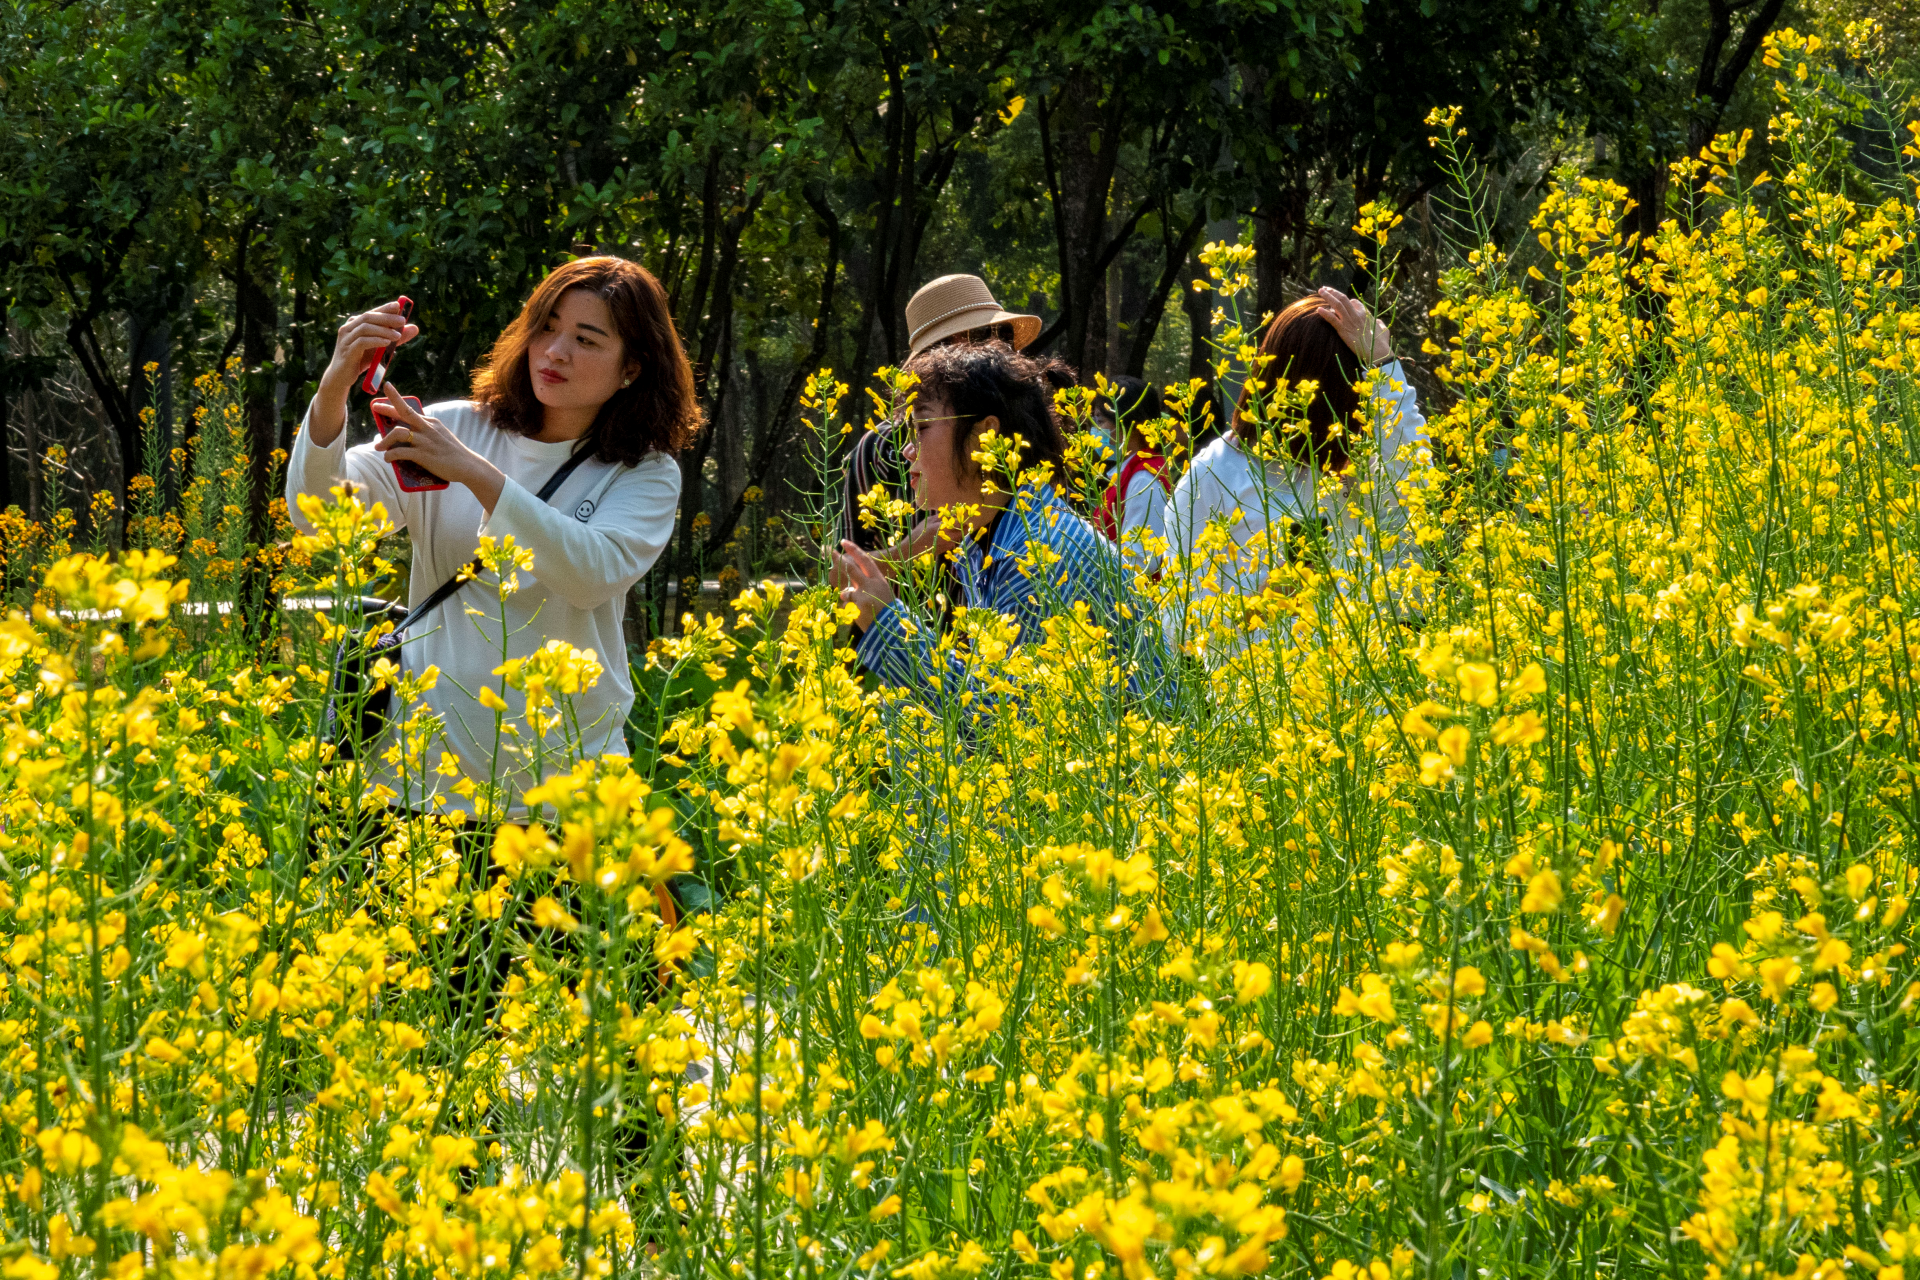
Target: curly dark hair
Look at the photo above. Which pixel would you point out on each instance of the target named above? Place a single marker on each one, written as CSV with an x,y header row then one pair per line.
x,y
992,380
1132,402
658,413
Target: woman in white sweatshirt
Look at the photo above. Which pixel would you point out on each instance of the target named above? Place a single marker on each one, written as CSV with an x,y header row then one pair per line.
x,y
1322,484
592,365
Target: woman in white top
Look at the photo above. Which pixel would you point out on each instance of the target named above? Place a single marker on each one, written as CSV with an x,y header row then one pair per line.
x,y
1287,485
592,364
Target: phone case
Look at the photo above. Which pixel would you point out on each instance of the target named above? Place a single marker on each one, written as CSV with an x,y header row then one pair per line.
x,y
376,371
413,477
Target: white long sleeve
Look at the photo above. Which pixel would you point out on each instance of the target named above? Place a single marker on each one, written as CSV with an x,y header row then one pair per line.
x,y
315,469
587,562
590,541
1365,519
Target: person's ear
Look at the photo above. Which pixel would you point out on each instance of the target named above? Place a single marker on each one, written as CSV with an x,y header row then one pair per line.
x,y
971,444
628,372
970,466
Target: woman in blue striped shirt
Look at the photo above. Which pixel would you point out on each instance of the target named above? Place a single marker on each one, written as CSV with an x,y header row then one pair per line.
x,y
991,535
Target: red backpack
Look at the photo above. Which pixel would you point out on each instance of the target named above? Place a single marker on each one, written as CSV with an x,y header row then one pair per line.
x,y
1109,518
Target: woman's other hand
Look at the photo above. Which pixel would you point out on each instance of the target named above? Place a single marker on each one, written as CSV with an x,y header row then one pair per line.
x,y
925,538
360,338
1359,328
414,437
860,582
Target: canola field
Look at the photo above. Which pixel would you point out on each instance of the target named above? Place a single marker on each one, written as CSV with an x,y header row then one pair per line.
x,y
1539,907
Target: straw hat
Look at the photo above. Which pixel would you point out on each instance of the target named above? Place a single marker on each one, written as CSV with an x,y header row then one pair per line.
x,y
955,304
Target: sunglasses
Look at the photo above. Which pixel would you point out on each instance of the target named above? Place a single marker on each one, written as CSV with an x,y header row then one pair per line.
x,y
989,333
923,425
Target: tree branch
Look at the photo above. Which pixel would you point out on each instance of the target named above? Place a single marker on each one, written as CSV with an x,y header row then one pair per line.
x,y
1177,251
1750,39
1120,238
776,434
1059,233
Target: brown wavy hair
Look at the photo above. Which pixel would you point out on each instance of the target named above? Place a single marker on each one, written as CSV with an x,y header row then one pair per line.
x,y
1304,346
659,413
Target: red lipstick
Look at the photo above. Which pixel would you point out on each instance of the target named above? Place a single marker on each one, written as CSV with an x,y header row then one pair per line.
x,y
550,377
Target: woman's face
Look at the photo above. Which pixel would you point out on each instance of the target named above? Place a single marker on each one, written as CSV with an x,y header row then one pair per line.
x,y
936,478
577,360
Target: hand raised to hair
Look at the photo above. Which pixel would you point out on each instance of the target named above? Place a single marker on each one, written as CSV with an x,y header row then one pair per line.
x,y
1358,327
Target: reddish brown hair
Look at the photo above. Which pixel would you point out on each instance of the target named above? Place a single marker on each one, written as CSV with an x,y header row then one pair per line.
x,y
1305,347
658,413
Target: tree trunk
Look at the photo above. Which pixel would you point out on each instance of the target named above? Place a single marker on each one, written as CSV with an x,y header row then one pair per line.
x,y
259,328
84,342
1198,302
880,272
694,316
1280,216
1647,189
1179,251
1714,86
1087,148
37,508
296,377
767,447
259,323
149,343
7,498
711,371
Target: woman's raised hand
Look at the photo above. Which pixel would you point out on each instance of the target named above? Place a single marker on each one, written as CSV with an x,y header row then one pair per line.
x,y
363,336
860,582
360,339
925,537
1359,328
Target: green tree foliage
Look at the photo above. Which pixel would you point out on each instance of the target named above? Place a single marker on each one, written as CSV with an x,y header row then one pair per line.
x,y
183,183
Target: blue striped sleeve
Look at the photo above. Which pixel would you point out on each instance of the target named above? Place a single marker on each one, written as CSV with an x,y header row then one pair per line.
x,y
1084,568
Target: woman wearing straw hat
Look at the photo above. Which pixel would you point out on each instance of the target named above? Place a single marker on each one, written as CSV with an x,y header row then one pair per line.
x,y
952,309
962,307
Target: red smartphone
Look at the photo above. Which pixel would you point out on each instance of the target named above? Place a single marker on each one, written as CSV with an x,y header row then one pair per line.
x,y
413,477
378,367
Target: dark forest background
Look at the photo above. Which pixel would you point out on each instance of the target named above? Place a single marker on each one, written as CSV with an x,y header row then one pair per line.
x,y
187,182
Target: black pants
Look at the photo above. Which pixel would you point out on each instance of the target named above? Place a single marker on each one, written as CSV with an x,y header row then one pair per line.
x,y
478,957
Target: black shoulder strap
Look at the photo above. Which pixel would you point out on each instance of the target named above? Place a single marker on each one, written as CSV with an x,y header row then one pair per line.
x,y
453,584
567,468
